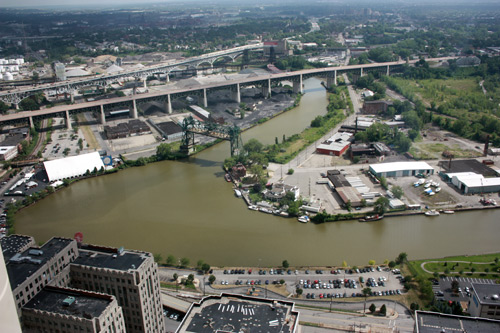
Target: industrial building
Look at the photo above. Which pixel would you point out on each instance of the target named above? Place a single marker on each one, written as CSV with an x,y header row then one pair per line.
x,y
239,313
473,183
336,145
123,130
485,301
96,273
434,322
375,107
401,169
74,166
169,130
7,153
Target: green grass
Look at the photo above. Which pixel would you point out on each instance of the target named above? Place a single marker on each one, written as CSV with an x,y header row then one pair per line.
x,y
485,261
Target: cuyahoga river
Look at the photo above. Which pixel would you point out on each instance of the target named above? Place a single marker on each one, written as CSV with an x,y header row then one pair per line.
x,y
185,208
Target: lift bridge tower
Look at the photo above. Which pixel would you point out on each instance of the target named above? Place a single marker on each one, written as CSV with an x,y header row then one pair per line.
x,y
191,126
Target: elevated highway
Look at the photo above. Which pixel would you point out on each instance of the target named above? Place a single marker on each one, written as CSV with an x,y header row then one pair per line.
x,y
264,81
14,96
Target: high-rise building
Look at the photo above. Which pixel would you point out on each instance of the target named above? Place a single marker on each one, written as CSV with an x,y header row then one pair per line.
x,y
35,267
56,309
131,277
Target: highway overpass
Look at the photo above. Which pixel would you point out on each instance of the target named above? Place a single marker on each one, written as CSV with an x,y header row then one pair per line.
x,y
264,81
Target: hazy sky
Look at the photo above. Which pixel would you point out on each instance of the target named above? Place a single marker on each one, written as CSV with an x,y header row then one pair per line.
x,y
45,3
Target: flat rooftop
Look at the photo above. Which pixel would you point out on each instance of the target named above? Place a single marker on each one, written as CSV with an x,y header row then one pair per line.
x,y
13,244
467,166
110,258
26,264
486,293
79,303
400,166
236,313
433,322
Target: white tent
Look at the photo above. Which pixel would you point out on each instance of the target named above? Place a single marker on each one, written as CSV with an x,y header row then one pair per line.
x,y
74,166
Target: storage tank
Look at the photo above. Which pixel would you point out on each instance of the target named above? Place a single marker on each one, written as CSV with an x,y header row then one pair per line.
x,y
8,76
12,61
20,61
1,76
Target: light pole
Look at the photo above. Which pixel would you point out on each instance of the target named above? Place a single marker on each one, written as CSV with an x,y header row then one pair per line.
x,y
204,286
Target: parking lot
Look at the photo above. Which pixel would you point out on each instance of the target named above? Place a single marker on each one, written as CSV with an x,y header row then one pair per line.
x,y
318,283
443,291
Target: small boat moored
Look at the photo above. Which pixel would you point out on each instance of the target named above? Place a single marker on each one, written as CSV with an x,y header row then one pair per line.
x,y
227,177
253,207
448,212
432,213
237,193
369,218
304,219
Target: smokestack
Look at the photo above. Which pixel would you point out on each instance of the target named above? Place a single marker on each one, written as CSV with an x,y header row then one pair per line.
x,y
486,145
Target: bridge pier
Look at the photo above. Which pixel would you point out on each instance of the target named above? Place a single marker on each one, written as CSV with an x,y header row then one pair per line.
x,y
388,71
168,105
266,89
297,85
30,120
103,117
361,72
236,94
16,106
68,121
205,101
330,81
134,109
145,84
72,96
168,77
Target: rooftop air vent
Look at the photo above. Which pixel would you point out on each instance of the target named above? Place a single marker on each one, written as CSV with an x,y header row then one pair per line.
x,y
494,297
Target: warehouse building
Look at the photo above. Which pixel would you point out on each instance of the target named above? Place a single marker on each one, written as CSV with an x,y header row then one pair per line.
x,y
336,145
74,166
473,183
401,169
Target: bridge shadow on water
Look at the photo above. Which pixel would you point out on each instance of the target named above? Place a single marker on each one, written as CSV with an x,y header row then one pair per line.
x,y
206,164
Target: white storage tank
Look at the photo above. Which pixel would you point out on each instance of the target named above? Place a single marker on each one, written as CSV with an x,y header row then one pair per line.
x,y
12,61
8,76
19,61
1,76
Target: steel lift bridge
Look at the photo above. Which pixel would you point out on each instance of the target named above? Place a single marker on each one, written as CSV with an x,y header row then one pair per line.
x,y
191,126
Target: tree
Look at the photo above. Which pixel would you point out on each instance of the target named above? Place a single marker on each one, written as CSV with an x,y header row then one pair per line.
x,y
383,182
397,191
392,264
371,262
473,269
383,310
282,281
290,171
205,268
211,279
299,291
285,264
163,151
381,205
344,263
157,258
170,260
184,262
401,257
348,205
447,271
366,292
199,263
175,276
253,145
372,308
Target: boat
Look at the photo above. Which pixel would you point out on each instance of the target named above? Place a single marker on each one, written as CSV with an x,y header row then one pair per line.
x,y
265,210
253,207
369,218
448,212
432,213
237,193
304,219
227,177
